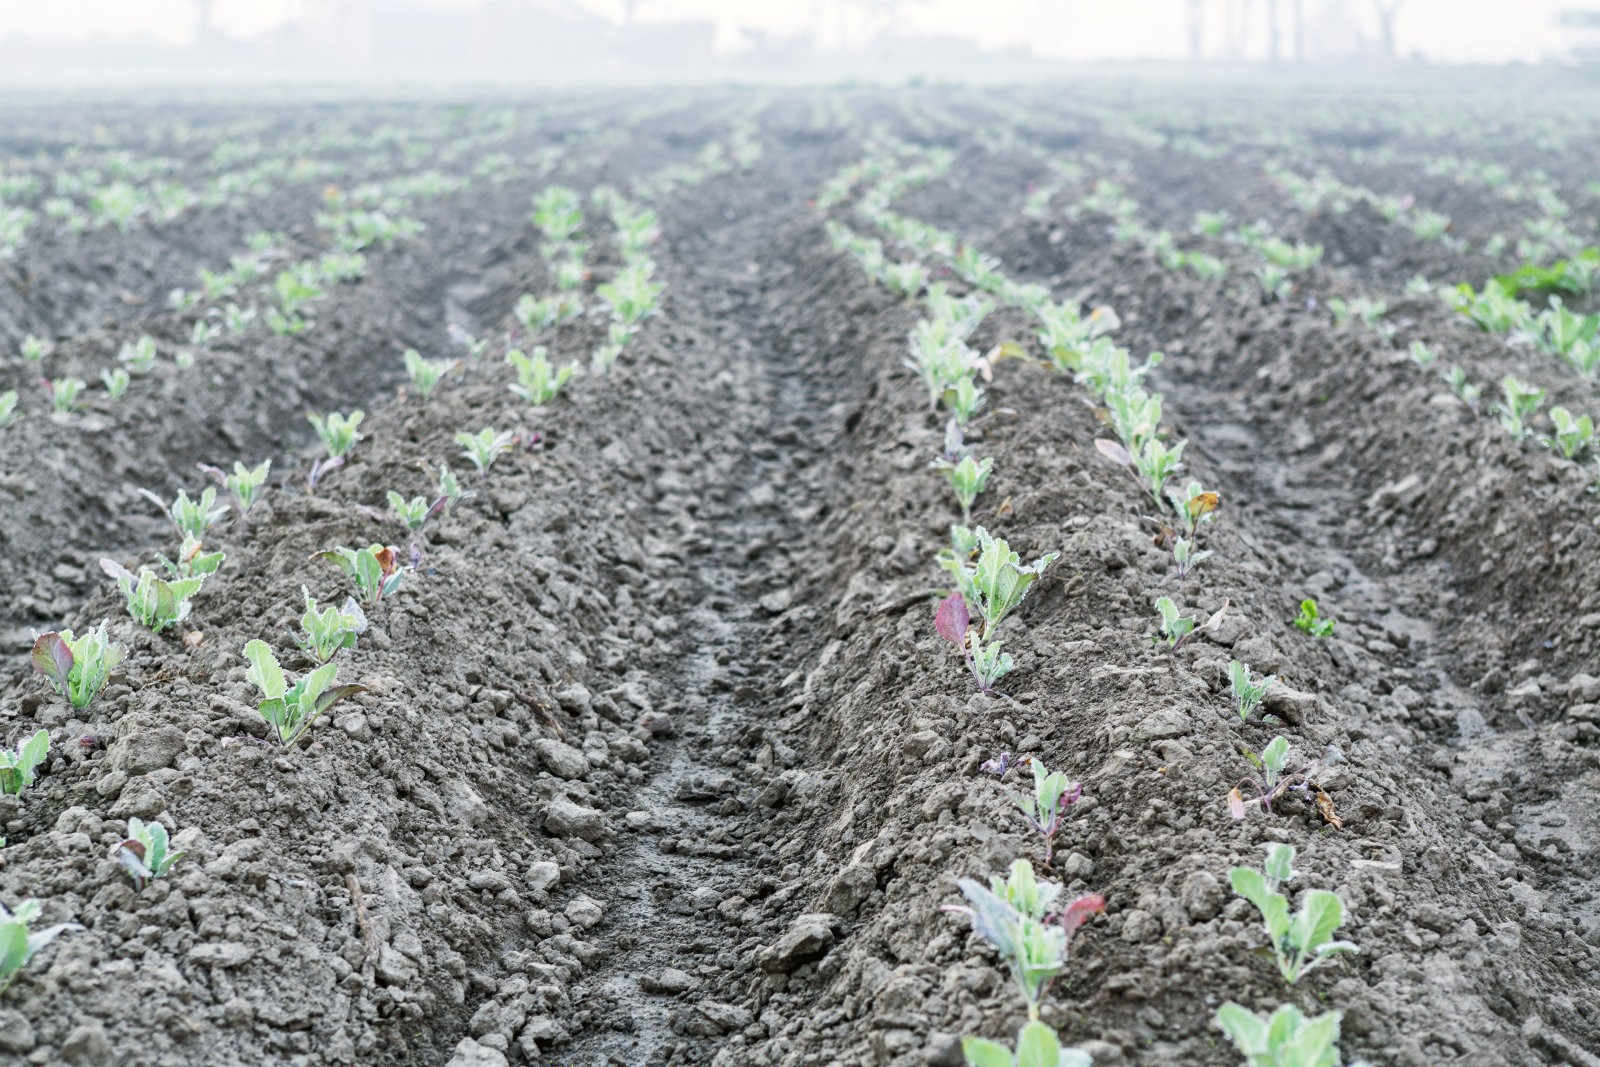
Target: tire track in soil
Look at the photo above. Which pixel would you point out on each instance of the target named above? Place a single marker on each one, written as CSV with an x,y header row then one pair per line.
x,y
759,498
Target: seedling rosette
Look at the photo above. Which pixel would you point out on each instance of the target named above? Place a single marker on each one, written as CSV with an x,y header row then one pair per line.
x,y
1052,795
154,602
291,709
17,765
77,666
1037,1046
1287,1038
376,569
145,853
1302,941
1018,917
18,944
987,662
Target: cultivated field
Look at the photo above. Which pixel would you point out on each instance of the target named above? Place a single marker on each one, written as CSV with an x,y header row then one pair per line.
x,y
779,529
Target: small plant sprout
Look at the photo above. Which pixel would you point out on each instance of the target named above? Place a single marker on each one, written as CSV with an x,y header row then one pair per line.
x,y
140,356
1052,795
963,399
77,666
1286,1038
987,662
1421,354
1301,942
18,944
1468,393
1037,1046
538,382
996,583
1187,557
375,569
34,348
191,561
1521,402
906,278
145,853
1310,622
485,446
1248,692
1572,435
413,513
329,630
291,709
154,602
425,373
631,295
1175,627
449,487
967,477
18,764
115,381
8,407
1273,779
338,432
202,333
191,517
64,394
244,483
1019,917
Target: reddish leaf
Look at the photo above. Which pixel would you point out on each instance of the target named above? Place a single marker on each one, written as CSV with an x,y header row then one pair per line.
x,y
951,619
1114,452
52,658
1079,910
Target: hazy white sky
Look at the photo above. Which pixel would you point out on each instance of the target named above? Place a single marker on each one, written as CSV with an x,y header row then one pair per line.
x,y
1445,29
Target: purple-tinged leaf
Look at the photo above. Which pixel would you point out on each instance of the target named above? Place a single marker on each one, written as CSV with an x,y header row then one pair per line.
x,y
951,620
1114,452
1079,910
52,658
997,766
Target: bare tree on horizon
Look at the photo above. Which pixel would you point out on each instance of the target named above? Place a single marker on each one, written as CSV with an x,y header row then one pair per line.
x,y
1386,16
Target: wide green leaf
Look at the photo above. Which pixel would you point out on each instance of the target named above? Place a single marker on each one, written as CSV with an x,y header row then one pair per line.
x,y
981,1052
264,671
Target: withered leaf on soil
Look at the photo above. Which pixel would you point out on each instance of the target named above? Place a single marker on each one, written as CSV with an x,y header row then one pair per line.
x,y
1325,809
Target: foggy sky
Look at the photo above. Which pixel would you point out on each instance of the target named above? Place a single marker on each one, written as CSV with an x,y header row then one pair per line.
x,y
1450,30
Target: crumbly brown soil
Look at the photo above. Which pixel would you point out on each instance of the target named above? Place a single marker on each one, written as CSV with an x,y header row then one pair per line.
x,y
660,760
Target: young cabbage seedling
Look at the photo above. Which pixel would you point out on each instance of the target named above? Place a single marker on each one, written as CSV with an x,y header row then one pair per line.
x,y
1302,941
1037,1046
1052,795
291,709
1187,557
8,407
1572,435
1016,916
425,373
330,630
1421,354
191,561
140,356
154,602
18,944
963,399
145,853
1469,393
996,583
413,513
1286,1038
338,432
1521,402
967,477
375,569
244,483
115,381
64,394
1175,627
485,446
631,295
17,765
538,381
34,348
987,661
1310,622
1248,692
77,666
191,517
